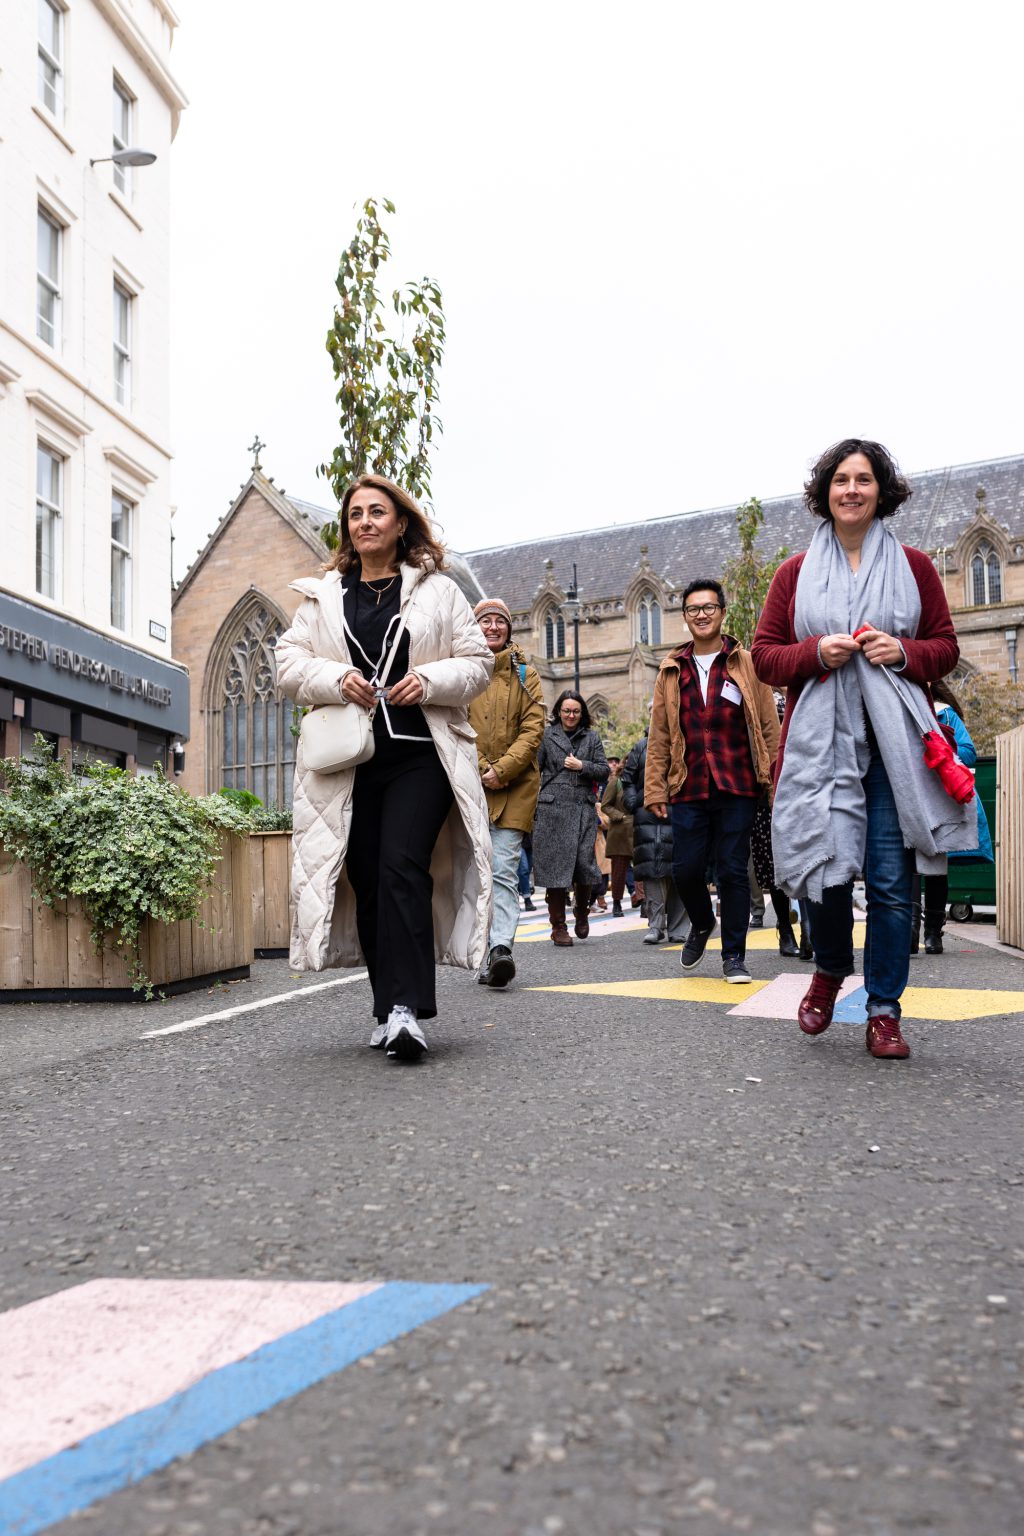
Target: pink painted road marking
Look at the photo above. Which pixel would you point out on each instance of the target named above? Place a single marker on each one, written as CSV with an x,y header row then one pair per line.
x,y
782,996
80,1361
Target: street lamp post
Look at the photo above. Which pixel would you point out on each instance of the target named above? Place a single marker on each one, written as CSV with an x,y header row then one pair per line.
x,y
126,157
571,610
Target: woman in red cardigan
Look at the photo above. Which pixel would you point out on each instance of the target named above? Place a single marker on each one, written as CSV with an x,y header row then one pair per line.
x,y
852,792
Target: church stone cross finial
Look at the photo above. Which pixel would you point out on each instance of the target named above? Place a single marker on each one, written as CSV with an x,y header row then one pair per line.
x,y
254,449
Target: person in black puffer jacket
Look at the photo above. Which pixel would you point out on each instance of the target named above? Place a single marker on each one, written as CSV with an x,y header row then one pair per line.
x,y
652,855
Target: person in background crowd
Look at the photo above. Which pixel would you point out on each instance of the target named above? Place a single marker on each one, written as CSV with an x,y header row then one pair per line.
x,y
601,859
508,718
365,837
763,866
853,792
761,852
757,890
618,836
711,746
652,856
936,887
572,764
526,872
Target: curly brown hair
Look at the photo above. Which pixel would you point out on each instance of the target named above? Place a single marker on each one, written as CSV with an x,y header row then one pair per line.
x,y
417,546
893,490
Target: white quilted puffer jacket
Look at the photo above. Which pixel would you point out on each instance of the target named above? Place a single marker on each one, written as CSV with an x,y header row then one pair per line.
x,y
448,653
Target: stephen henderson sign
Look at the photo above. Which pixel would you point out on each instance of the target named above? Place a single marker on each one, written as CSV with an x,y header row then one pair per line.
x,y
54,655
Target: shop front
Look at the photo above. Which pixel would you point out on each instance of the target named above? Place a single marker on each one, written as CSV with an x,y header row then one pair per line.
x,y
89,695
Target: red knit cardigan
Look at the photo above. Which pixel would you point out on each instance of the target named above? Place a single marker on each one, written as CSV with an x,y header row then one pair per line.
x,y
784,661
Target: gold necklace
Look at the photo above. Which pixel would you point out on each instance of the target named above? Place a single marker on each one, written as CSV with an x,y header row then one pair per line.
x,y
379,590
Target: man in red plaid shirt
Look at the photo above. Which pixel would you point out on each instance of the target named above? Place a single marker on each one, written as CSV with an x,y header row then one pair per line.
x,y
713,739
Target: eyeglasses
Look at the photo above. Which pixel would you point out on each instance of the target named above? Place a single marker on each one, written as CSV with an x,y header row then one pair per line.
x,y
706,608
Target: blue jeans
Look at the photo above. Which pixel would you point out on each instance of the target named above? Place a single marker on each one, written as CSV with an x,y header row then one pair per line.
x,y
506,845
524,872
890,880
719,826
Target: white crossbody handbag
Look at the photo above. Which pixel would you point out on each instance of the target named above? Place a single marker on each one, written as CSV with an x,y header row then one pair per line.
x,y
337,736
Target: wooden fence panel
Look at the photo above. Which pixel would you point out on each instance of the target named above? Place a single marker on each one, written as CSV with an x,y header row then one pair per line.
x,y
271,882
85,966
241,899
1010,837
50,944
50,948
15,924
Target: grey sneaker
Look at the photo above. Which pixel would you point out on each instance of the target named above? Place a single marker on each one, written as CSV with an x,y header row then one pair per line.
x,y
404,1038
654,936
692,952
734,969
380,1034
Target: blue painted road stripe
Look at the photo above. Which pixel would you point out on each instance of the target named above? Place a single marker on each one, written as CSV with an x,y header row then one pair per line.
x,y
144,1442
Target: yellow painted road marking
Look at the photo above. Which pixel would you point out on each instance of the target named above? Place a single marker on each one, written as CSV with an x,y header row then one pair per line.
x,y
682,989
949,1004
764,938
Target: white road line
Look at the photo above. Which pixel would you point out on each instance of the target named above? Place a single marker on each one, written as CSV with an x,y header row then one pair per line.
x,y
264,1002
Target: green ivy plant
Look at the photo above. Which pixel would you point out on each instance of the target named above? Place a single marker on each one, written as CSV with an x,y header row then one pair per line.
x,y
261,818
128,847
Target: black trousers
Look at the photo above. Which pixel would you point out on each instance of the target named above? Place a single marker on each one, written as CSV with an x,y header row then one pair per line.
x,y
401,799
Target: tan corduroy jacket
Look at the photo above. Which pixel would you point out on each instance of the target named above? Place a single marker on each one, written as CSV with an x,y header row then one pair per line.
x,y
508,718
666,749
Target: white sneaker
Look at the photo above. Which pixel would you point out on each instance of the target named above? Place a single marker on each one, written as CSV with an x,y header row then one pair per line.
x,y
380,1034
404,1038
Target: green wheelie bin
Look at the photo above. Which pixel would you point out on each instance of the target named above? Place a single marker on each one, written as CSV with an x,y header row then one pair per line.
x,y
974,885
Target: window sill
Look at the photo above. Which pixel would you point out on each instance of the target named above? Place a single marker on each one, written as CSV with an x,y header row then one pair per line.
x,y
119,202
51,122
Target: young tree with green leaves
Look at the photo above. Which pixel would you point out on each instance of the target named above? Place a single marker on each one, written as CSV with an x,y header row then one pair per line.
x,y
747,578
387,384
618,731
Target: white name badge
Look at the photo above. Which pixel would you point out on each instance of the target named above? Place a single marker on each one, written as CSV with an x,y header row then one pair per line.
x,y
731,692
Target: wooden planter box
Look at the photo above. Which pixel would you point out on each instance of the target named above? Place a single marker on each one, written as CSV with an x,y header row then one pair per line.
x,y
46,954
271,884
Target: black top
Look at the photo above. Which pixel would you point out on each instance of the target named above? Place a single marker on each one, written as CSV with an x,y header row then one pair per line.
x,y
370,627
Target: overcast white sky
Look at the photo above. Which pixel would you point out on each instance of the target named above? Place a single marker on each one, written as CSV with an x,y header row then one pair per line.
x,y
682,247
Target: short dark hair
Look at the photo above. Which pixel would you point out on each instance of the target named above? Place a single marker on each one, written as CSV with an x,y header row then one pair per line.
x,y
893,490
570,693
705,586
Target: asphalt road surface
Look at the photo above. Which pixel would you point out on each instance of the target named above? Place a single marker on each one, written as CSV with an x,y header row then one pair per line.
x,y
736,1279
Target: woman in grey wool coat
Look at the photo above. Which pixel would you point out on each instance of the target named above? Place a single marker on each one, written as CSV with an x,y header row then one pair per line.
x,y
572,769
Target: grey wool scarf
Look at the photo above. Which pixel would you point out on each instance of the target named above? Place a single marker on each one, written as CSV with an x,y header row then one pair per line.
x,y
819,822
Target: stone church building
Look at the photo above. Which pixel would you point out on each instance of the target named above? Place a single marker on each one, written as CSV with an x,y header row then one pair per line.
x,y
234,601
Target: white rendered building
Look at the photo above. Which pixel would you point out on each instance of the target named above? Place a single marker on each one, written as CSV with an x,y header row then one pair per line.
x,y
85,517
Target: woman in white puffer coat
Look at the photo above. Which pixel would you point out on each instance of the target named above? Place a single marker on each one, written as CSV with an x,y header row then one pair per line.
x,y
391,860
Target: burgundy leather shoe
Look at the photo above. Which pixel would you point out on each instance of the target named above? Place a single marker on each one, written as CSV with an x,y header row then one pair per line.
x,y
884,1039
815,1012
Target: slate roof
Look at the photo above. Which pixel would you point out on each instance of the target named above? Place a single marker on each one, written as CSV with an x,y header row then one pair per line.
x,y
694,544
311,512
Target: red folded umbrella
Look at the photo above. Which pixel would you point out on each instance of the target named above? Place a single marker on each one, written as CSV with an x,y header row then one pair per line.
x,y
957,780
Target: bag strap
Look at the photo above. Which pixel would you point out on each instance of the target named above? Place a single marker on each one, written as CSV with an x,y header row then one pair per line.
x,y
382,677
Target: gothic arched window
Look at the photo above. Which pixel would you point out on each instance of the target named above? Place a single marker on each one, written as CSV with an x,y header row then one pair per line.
x,y
648,620
257,745
554,635
986,576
